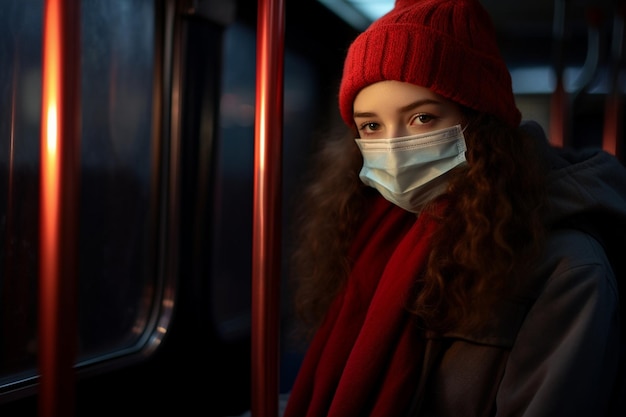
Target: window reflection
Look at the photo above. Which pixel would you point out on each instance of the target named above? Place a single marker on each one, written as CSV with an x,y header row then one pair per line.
x,y
117,209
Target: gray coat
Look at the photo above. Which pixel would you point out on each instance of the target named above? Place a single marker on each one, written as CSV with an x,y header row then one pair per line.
x,y
557,347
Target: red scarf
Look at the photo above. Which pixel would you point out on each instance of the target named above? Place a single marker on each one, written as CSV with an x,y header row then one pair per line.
x,y
366,358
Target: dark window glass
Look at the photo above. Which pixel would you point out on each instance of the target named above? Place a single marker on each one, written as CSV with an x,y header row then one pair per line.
x,y
117,281
232,250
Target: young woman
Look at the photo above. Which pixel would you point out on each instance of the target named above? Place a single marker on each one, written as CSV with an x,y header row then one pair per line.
x,y
450,262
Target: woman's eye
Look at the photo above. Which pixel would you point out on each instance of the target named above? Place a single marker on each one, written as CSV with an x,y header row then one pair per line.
x,y
369,127
423,118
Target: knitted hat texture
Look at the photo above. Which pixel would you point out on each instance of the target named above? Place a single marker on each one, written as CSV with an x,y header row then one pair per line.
x,y
447,46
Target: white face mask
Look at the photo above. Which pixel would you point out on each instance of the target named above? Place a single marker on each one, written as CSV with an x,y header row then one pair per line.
x,y
409,171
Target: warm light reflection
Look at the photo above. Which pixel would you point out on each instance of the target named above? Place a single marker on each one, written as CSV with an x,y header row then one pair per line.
x,y
49,132
49,144
52,129
56,272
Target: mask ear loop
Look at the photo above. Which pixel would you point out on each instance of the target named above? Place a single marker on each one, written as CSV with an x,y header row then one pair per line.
x,y
463,129
468,117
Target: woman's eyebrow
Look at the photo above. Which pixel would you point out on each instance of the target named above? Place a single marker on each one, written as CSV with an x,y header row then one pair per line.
x,y
363,114
410,106
419,103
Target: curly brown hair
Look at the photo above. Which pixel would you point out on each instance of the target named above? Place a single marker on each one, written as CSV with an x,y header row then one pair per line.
x,y
492,224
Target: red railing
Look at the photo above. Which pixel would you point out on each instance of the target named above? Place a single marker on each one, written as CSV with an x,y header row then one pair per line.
x,y
267,208
60,153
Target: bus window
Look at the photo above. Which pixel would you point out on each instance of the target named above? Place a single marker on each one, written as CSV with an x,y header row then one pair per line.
x,y
118,280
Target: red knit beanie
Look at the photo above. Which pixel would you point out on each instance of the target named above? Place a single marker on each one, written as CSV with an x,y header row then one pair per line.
x,y
447,46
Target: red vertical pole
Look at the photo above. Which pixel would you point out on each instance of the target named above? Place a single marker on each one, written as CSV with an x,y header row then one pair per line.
x,y
613,124
613,117
558,107
558,103
60,130
267,208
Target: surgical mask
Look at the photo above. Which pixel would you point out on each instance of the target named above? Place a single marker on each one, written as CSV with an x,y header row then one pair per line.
x,y
409,171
